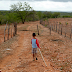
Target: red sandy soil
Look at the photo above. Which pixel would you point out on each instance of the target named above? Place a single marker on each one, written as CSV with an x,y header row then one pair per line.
x,y
62,20
17,56
65,28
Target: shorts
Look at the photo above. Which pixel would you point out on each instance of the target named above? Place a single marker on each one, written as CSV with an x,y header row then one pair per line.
x,y
34,50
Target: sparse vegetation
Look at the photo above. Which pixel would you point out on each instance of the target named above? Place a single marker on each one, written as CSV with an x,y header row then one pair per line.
x,y
54,47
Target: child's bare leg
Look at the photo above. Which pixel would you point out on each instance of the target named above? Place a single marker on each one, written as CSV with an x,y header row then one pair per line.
x,y
33,56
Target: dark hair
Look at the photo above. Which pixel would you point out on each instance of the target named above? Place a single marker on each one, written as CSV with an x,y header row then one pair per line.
x,y
33,34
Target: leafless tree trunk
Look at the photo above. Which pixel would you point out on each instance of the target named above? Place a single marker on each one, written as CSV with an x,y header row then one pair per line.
x,y
15,29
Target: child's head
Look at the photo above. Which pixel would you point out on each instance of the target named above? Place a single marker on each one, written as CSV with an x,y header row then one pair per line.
x,y
33,34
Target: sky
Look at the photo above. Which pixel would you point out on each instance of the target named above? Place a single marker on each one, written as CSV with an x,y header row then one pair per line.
x,y
40,5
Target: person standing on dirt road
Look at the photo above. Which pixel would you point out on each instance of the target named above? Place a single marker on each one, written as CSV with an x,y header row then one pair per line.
x,y
35,44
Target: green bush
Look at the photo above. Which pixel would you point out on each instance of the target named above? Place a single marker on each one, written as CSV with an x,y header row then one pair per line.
x,y
55,15
66,23
47,14
0,21
66,16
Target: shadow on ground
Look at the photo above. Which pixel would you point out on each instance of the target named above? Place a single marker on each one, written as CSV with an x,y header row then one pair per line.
x,y
25,30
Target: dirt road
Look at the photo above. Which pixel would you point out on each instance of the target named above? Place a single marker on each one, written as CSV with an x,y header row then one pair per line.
x,y
20,60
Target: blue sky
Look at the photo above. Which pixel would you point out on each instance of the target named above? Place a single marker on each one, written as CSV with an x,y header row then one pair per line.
x,y
41,5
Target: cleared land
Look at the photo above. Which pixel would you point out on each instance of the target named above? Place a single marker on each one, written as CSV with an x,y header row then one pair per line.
x,y
59,25
16,56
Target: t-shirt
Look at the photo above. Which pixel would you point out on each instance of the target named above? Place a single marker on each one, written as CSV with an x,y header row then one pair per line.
x,y
34,43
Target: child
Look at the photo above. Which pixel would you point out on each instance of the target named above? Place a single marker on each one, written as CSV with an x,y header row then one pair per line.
x,y
35,44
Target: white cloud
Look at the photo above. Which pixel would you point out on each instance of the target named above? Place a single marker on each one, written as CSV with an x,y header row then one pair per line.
x,y
41,0
52,6
40,5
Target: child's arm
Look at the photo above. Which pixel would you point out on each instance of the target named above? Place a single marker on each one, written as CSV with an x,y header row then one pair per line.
x,y
37,43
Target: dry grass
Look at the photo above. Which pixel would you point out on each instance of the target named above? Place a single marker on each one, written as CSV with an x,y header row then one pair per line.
x,y
65,28
6,47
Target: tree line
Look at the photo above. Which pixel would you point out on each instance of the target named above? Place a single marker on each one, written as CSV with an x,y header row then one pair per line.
x,y
24,12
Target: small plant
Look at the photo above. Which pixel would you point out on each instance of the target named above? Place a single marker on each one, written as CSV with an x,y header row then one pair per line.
x,y
45,25
43,19
66,64
59,22
62,68
66,23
